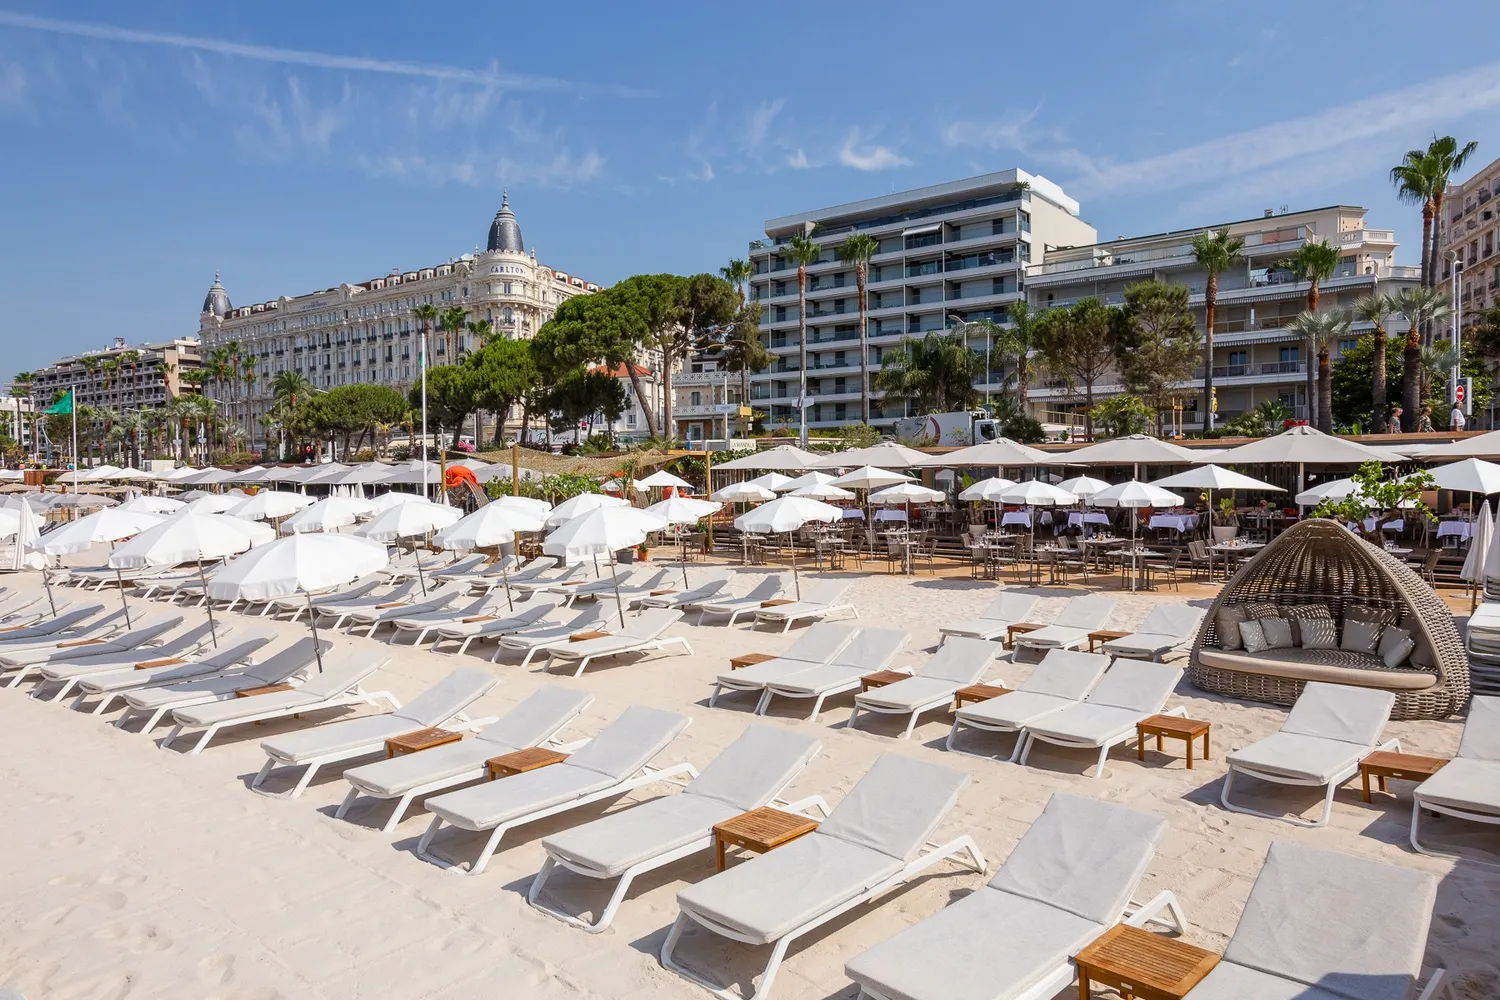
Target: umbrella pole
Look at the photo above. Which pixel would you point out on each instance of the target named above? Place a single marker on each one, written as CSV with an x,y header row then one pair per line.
x,y
505,576
124,605
614,578
312,619
1134,556
796,580
47,582
208,606
420,578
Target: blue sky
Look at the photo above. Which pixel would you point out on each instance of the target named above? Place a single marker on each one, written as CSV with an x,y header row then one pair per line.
x,y
295,145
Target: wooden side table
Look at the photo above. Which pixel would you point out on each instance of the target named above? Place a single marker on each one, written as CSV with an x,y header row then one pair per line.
x,y
1019,628
778,602
166,661
421,739
522,760
263,689
1105,635
749,659
977,692
585,636
759,830
881,678
1141,964
1383,764
1186,730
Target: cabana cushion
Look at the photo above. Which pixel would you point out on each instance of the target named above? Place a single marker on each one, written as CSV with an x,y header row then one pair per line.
x,y
1337,666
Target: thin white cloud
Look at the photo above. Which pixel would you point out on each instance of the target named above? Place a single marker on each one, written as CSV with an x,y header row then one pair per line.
x,y
759,124
300,57
860,155
798,160
14,86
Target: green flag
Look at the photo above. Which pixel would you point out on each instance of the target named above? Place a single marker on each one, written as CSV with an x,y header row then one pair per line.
x,y
64,405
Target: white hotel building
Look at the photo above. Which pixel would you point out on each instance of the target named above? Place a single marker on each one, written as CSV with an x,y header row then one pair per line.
x,y
365,333
949,252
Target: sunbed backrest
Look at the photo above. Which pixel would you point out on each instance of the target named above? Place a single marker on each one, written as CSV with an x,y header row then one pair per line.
x,y
227,655
542,713
895,807
591,615
1340,712
1171,619
1086,612
1481,740
447,697
1010,607
628,744
342,672
752,769
765,589
1082,855
1353,927
651,623
283,664
820,642
871,649
1066,673
1137,685
822,591
960,659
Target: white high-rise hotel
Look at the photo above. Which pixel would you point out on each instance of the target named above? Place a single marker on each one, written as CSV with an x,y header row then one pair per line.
x,y
353,333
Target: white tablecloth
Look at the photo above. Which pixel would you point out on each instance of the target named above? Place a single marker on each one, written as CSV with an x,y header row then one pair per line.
x,y
1077,520
853,514
1181,522
1463,530
1399,525
890,515
1021,517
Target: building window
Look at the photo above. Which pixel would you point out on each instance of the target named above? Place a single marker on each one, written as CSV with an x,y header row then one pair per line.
x,y
1345,346
1238,358
1291,354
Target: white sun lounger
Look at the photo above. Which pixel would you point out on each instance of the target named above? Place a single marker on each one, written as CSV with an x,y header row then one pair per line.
x,y
534,722
768,588
1167,627
297,603
500,621
68,621
18,606
442,704
643,634
339,610
751,772
1008,608
532,641
437,599
1131,690
155,702
875,840
1071,878
605,585
1468,786
67,673
613,763
466,566
871,650
160,671
1322,925
426,621
1071,628
685,599
1330,729
553,577
959,662
813,648
820,599
26,662
338,685
1064,677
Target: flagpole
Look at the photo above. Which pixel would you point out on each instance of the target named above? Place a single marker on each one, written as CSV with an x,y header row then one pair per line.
x,y
73,409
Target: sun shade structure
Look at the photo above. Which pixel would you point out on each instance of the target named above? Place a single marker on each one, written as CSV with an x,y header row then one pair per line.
x,y
1000,453
581,504
489,526
988,490
410,520
788,514
661,479
153,505
1301,445
782,458
1083,487
822,491
1133,449
885,455
813,478
744,493
532,505
1213,477
1134,495
329,514
773,481
1471,475
108,525
1479,446
870,478
907,493
268,505
603,531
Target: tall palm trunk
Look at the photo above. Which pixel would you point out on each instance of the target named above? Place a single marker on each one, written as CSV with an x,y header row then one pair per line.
x,y
1210,308
864,347
1411,379
1314,410
802,355
1325,391
1430,265
1377,381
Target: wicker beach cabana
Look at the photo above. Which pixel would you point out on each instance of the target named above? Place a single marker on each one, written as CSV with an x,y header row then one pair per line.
x,y
1317,565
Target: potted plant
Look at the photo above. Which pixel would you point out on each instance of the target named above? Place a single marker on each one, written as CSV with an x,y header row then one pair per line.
x,y
1225,524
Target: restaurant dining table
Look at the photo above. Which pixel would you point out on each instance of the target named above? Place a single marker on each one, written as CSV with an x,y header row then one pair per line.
x,y
1234,546
1077,519
1020,517
1136,560
1461,530
1177,522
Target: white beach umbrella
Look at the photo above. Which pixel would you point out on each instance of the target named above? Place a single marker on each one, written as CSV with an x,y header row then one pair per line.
x,y
601,531
153,504
99,474
773,481
1214,477
540,508
743,493
107,525
214,503
396,498
782,458
208,477
1135,495
490,525
1301,446
870,478
684,510
1478,446
362,475
329,514
1480,543
787,514
1336,489
1471,475
82,500
10,522
1035,493
286,473
1132,449
298,564
822,491
410,473
326,475
268,505
885,455
255,474
813,478
986,489
28,528
618,485
904,493
1083,486
409,520
661,478
130,474
583,503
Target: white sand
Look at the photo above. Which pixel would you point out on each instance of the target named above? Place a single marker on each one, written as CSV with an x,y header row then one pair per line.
x,y
129,871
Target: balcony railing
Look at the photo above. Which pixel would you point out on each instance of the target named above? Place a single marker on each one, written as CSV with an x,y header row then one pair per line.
x,y
1263,368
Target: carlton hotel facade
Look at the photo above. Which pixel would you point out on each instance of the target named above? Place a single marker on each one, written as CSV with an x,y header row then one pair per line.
x,y
365,332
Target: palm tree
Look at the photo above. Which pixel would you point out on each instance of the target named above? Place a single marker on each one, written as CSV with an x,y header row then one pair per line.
x,y
934,373
1314,262
1416,180
1438,361
483,330
108,366
451,323
744,351
1374,308
1446,158
1215,253
804,251
1322,330
130,424
857,250
1420,306
738,273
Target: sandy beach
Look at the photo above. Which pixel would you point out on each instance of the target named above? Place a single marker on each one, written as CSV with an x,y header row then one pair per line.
x,y
129,871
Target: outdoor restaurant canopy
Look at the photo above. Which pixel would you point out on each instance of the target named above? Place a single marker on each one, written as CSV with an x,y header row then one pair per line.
x,y
1133,449
999,453
1301,445
1213,477
782,458
885,455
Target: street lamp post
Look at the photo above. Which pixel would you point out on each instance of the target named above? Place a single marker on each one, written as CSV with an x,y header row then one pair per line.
x,y
1456,335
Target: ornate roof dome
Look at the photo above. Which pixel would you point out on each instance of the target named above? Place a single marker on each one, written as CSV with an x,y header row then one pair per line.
x,y
217,299
505,231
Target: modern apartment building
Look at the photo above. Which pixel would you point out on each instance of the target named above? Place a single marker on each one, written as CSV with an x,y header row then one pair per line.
x,y
1254,359
365,332
948,253
1469,231
120,377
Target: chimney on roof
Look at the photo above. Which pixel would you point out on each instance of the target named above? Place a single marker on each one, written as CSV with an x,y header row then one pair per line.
x,y
1270,212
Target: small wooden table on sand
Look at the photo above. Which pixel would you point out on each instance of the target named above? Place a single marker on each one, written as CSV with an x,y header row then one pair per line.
x,y
1383,764
881,678
586,636
1186,730
1105,635
421,739
1019,628
759,830
263,689
977,692
749,659
522,760
1141,964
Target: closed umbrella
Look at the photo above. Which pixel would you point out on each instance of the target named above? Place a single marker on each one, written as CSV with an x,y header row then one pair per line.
x,y
329,514
410,520
1135,495
28,529
1479,546
583,503
1035,493
787,514
298,564
602,530
489,526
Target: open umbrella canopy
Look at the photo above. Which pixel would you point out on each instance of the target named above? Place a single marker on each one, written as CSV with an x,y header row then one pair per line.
x,y
870,478
1135,494
1301,445
214,503
684,510
108,525
409,520
411,473
773,481
782,458
269,505
885,455
325,475
540,508
254,474
99,474
153,505
743,493
602,531
1213,477
189,537
903,493
286,473
822,491
582,504
396,498
813,478
998,453
329,514
1133,449
661,479
1478,446
208,477
366,473
1083,486
1338,489
176,475
297,564
1035,493
787,514
618,485
987,490
130,474
81,500
1471,475
488,526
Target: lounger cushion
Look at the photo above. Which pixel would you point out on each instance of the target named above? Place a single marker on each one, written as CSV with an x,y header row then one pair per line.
x,y
598,647
1066,673
1308,757
486,806
1013,710
1334,666
205,689
537,717
1464,783
1143,644
1481,739
337,737
1137,685
912,692
614,843
770,895
896,805
1353,927
1088,724
990,945
1235,982
754,767
1053,637
399,775
1172,619
962,660
447,697
982,628
797,609
1340,713
765,672
628,744
819,680
219,712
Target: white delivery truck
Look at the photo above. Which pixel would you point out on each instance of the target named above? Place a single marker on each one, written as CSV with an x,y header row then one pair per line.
x,y
959,428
